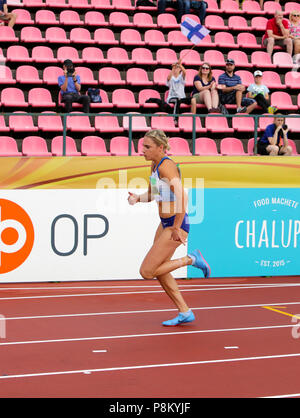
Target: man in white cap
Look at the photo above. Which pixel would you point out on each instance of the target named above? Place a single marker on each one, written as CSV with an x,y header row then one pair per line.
x,y
260,93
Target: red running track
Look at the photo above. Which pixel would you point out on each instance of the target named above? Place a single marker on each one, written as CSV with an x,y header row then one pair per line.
x,y
105,339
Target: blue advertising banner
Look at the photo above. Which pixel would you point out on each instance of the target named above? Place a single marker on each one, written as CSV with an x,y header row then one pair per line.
x,y
248,232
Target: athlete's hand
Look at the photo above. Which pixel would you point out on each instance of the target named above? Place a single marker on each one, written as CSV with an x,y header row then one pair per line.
x,y
133,198
177,235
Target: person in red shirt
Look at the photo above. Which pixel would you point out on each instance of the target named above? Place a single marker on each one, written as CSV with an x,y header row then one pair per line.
x,y
277,33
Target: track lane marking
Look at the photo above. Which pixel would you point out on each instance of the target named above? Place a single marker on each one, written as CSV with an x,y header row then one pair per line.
x,y
281,312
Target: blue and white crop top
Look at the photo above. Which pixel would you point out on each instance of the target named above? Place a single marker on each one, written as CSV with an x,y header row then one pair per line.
x,y
160,189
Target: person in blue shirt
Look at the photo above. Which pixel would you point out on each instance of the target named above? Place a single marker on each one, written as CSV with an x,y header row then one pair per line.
x,y
10,18
70,86
274,140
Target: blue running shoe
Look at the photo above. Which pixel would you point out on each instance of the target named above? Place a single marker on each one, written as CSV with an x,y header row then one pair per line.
x,y
199,262
180,319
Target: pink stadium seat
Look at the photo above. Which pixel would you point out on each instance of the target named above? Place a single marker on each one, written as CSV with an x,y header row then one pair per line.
x,y
238,23
101,4
207,42
3,127
271,6
142,56
131,36
119,19
86,76
50,123
214,57
105,101
43,54
146,94
190,75
94,18
70,52
246,76
107,123
56,35
117,55
6,76
138,77
283,60
31,34
40,97
263,122
143,20
179,146
13,97
57,3
231,146
70,17
34,3
247,40
190,57
292,143
138,123
27,74
110,76
250,146
76,123
217,124
92,54
119,146
298,100
292,80
154,37
261,60
160,76
79,4
215,22
124,98
105,36
177,38
35,146
272,80
166,123
81,36
7,34
166,56
282,100
291,5
240,58
45,17
212,6
93,145
252,8
23,17
123,5
243,124
259,23
147,8
225,40
230,6
51,74
22,123
185,123
57,146
167,21
191,16
205,146
293,123
8,147
18,53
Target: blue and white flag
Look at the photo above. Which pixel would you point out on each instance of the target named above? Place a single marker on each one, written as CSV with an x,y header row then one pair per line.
x,y
193,30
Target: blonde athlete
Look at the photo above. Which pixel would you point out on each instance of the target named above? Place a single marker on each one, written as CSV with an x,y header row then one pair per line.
x,y
166,188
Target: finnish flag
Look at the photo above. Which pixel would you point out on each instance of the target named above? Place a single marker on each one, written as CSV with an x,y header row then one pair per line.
x,y
193,30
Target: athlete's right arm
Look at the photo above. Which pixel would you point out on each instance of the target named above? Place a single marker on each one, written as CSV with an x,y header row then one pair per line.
x,y
145,197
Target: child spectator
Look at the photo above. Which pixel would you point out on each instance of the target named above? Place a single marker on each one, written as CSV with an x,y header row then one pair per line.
x,y
260,93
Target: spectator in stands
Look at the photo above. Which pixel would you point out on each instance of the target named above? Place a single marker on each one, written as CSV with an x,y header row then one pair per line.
x,y
277,33
200,6
274,140
10,18
70,88
182,6
261,3
176,84
260,93
205,90
231,90
294,26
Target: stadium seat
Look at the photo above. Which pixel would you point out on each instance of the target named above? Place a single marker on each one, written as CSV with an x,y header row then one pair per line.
x,y
31,34
57,146
93,146
27,74
231,146
272,80
166,123
6,76
131,36
138,77
230,7
43,54
143,20
124,98
215,22
118,56
101,4
76,123
142,56
167,21
50,122
290,6
70,17
217,124
70,52
40,97
34,3
105,36
293,123
138,123
119,19
154,37
8,147
292,143
35,146
246,76
263,122
292,80
18,53
46,17
247,40
57,4
176,38
225,40
205,146
195,18
51,74
252,8
21,123
7,34
240,58
190,57
271,6
146,94
147,8
3,127
160,76
261,60
86,76
56,35
105,104
107,123
13,97
243,124
123,5
190,75
282,100
119,146
166,56
94,18
283,60
214,57
178,146
238,23
81,36
185,123
212,6
259,23
79,4
110,76
93,55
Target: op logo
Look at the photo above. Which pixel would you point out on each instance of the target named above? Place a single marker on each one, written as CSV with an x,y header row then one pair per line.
x,y
16,236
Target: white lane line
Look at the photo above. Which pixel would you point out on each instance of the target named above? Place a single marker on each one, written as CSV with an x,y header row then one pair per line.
x,y
232,347
292,395
143,292
158,334
151,366
7,318
99,351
